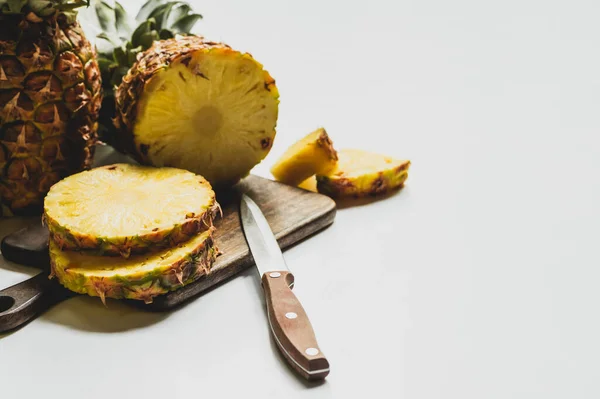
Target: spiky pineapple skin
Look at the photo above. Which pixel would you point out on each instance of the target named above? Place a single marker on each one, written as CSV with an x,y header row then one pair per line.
x,y
161,55
67,239
366,186
50,96
141,286
314,154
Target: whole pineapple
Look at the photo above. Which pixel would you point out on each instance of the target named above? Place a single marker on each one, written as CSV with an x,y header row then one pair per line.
x,y
50,97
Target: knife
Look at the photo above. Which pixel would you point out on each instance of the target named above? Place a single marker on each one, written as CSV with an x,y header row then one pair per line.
x,y
289,323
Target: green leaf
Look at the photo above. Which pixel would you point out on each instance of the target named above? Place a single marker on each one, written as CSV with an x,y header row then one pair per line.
x,y
180,10
120,55
185,24
122,20
67,6
159,14
165,34
42,7
106,16
131,55
147,9
108,38
143,28
148,38
105,63
16,5
118,74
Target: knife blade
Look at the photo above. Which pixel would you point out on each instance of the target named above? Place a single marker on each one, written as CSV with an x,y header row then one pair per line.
x,y
287,319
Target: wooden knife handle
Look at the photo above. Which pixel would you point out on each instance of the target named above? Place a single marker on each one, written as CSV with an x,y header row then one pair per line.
x,y
291,328
24,301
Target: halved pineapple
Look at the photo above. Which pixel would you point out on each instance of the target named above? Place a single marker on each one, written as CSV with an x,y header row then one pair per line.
x,y
361,173
313,154
140,277
198,105
122,209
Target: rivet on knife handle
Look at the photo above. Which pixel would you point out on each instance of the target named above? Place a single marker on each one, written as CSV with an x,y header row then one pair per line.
x,y
291,327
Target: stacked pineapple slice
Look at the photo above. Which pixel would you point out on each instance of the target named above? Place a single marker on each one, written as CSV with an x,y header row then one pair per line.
x,y
313,164
129,231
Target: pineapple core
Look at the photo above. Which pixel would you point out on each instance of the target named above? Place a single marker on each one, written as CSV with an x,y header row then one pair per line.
x,y
211,115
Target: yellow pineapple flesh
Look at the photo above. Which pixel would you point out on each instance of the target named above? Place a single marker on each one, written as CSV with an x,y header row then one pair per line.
x,y
139,277
361,173
309,184
313,154
200,106
122,209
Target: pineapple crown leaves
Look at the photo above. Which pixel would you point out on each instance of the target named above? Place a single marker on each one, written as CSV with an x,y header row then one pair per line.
x,y
156,20
42,8
124,37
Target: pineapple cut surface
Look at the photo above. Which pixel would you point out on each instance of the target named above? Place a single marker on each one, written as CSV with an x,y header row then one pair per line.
x,y
200,106
309,184
139,277
122,209
313,154
361,173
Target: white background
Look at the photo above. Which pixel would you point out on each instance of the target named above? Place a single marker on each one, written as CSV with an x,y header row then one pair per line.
x,y
479,280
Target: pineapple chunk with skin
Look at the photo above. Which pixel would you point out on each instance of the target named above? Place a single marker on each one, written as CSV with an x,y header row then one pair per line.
x,y
140,277
361,173
124,209
313,154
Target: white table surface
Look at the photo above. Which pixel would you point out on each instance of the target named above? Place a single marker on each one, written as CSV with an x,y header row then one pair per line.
x,y
479,280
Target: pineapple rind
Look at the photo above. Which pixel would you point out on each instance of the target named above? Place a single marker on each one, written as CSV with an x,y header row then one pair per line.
x,y
49,102
313,154
132,97
196,260
379,176
68,238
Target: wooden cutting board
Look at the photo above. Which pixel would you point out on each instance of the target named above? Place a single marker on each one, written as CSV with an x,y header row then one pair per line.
x,y
293,214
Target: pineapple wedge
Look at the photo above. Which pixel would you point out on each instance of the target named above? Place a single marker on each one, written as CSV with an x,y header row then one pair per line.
x,y
124,209
309,184
197,105
140,277
361,173
313,154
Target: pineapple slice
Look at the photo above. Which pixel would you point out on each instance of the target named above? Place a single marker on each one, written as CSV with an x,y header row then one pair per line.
x,y
122,209
313,154
198,105
361,173
140,277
